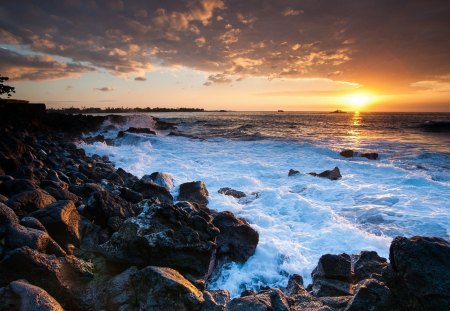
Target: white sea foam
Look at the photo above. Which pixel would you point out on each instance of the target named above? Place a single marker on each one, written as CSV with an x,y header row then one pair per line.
x,y
302,217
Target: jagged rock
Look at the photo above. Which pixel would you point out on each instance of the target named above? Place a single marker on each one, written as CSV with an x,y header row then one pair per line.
x,y
231,192
367,264
295,284
131,195
332,276
107,210
62,277
216,300
62,221
142,130
150,190
334,174
371,295
337,302
347,153
293,172
28,201
300,300
265,300
34,298
370,155
152,288
194,191
237,241
421,273
165,235
161,179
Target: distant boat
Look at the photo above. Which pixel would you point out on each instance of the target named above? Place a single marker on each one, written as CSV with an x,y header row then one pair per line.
x,y
280,110
338,111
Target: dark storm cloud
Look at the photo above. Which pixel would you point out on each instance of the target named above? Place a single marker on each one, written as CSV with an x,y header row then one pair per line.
x,y
140,79
369,41
37,67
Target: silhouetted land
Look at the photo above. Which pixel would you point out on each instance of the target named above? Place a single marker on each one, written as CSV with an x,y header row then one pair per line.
x,y
73,110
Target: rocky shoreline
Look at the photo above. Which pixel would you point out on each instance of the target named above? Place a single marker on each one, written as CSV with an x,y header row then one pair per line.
x,y
77,233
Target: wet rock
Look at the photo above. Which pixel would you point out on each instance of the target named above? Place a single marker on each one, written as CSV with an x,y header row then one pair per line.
x,y
332,276
295,284
86,189
370,155
371,295
368,263
237,241
62,221
107,210
299,299
130,195
272,299
161,179
62,277
338,302
347,153
293,172
334,174
194,191
61,194
29,201
164,235
231,192
420,273
150,190
142,130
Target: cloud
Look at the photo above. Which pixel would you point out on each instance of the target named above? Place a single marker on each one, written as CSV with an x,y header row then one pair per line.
x,y
104,89
38,67
140,79
380,43
219,78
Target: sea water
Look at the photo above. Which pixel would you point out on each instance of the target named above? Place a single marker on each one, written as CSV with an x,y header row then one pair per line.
x,y
299,218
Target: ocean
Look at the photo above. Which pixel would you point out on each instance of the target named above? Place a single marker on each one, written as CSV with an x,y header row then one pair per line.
x,y
299,218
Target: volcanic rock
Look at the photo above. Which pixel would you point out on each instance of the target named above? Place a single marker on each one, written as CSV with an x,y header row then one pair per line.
x,y
28,201
231,192
332,276
293,172
265,300
194,191
334,174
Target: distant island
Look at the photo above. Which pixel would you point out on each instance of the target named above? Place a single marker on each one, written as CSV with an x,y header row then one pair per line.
x,y
338,111
73,110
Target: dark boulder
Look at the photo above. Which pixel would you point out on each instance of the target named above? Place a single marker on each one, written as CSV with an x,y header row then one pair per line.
x,y
161,179
150,190
31,222
130,195
21,295
62,277
420,273
370,155
164,235
28,201
216,300
61,194
231,192
293,172
265,300
107,210
18,236
141,130
7,218
334,174
11,187
62,221
368,263
332,276
237,240
347,153
371,295
194,191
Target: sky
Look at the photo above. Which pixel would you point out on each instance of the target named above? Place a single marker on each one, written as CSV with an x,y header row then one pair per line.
x,y
304,55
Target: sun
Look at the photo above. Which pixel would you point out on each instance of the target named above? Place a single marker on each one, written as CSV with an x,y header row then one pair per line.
x,y
359,100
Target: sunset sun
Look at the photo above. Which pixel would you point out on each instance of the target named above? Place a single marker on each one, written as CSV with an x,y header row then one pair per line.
x,y
358,100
